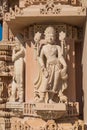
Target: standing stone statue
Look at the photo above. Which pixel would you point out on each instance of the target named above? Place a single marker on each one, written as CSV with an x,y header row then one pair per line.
x,y
18,78
53,67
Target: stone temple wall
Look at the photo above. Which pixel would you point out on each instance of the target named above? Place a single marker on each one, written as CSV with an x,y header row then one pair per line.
x,y
43,65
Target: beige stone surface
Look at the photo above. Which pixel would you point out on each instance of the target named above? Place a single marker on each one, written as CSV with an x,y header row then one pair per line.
x,y
68,17
52,77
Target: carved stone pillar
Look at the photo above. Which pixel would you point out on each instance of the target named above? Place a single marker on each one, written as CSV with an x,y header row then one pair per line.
x,y
5,31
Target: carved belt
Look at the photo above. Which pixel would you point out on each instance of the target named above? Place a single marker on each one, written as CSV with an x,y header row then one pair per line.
x,y
55,62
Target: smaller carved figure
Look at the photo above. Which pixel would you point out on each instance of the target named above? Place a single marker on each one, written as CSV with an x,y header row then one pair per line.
x,y
12,13
1,90
3,68
18,78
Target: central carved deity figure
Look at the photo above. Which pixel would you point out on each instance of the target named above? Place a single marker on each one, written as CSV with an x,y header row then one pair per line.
x,y
53,68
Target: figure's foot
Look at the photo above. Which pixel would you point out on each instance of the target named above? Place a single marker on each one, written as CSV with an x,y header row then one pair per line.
x,y
40,100
11,99
51,101
20,101
54,91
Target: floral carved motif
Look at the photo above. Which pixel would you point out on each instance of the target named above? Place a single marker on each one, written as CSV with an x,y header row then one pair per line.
x,y
50,8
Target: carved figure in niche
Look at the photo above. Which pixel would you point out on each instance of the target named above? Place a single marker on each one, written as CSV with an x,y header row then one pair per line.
x,y
3,68
53,68
1,91
18,78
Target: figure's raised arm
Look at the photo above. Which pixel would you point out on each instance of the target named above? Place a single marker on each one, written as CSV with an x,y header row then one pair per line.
x,y
18,54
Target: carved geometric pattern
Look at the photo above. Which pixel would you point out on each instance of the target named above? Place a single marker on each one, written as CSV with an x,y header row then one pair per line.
x,y
58,28
71,31
35,2
50,8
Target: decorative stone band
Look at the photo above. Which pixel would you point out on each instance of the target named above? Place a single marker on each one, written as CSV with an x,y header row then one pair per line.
x,y
35,2
70,109
43,110
39,124
45,10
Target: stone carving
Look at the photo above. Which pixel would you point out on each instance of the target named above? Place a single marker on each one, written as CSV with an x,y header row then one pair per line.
x,y
12,13
1,90
31,124
52,78
51,125
3,7
7,16
34,2
18,78
28,2
3,68
18,10
50,8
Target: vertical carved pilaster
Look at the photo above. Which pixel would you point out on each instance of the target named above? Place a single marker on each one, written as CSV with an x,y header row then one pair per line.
x,y
5,31
11,36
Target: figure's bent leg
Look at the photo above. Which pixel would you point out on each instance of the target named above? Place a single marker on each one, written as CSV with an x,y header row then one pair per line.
x,y
20,88
55,86
21,92
14,87
56,81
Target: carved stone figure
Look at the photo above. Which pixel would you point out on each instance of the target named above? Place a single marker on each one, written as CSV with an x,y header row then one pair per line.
x,y
51,125
53,68
1,90
18,78
3,68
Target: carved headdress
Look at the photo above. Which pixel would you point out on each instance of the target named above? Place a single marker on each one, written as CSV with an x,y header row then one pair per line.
x,y
19,38
50,30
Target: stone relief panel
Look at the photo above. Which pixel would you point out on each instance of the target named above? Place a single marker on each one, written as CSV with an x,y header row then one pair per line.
x,y
52,78
47,125
5,71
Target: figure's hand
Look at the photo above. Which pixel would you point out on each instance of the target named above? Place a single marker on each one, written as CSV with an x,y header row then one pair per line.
x,y
37,37
45,72
64,74
62,36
